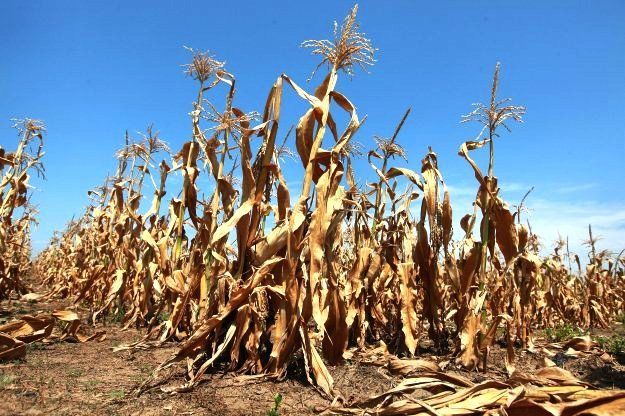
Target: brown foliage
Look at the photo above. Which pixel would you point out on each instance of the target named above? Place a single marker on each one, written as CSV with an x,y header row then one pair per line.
x,y
245,275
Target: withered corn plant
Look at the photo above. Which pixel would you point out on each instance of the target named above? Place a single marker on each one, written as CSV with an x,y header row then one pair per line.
x,y
16,213
257,276
499,288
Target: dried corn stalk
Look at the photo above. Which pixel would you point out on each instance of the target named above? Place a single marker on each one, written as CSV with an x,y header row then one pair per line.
x,y
245,271
16,213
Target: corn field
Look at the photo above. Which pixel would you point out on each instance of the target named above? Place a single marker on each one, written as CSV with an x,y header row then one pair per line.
x,y
259,276
16,213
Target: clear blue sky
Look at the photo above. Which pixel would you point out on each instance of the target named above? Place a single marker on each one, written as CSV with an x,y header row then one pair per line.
x,y
92,70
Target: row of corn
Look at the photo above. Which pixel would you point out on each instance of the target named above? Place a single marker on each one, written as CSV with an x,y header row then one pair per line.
x,y
248,271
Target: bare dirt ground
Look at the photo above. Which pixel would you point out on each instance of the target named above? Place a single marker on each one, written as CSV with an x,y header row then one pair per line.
x,y
62,378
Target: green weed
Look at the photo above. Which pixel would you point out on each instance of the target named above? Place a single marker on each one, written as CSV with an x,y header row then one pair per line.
x,y
274,411
563,332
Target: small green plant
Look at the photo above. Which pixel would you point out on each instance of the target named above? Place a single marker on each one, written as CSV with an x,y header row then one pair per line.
x,y
563,332
91,385
615,345
274,411
36,346
602,342
118,315
163,316
6,380
117,394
